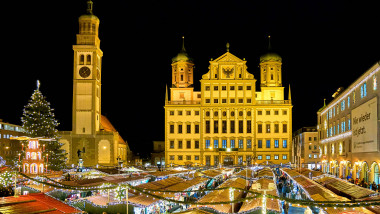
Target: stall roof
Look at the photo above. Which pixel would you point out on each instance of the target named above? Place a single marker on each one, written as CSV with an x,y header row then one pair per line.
x,y
245,172
182,186
161,184
252,204
167,173
347,188
314,173
212,173
34,203
99,181
264,172
224,195
143,200
319,193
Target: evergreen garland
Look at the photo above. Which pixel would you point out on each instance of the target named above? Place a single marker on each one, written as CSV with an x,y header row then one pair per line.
x,y
38,120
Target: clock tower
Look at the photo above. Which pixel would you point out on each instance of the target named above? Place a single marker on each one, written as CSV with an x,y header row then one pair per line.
x,y
87,75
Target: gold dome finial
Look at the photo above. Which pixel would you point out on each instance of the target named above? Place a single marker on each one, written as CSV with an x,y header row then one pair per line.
x,y
228,47
89,7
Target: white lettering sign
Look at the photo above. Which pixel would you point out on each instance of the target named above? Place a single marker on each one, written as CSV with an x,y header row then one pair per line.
x,y
364,127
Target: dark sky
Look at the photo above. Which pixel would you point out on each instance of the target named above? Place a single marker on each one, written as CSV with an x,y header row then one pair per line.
x,y
324,44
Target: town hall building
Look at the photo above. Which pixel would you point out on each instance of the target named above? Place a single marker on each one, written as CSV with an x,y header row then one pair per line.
x,y
227,122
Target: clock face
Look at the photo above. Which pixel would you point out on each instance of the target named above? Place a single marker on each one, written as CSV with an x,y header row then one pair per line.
x,y
84,72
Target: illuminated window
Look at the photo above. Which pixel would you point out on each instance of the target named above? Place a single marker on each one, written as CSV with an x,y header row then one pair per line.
x,y
342,105
34,156
268,144
284,157
267,128
216,144
207,144
241,144
232,144
224,143
284,143
374,83
348,102
249,144
276,144
259,157
276,157
267,157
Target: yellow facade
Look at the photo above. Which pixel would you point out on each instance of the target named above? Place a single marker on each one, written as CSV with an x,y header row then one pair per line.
x,y
228,121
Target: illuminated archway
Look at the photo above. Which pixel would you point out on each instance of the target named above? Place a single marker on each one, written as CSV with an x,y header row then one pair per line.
x,y
364,172
26,168
374,173
41,168
33,168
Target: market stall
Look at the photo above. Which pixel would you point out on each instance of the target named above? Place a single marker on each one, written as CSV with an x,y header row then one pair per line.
x,y
264,204
224,195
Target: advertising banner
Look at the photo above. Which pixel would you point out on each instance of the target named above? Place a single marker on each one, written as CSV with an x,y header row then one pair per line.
x,y
364,127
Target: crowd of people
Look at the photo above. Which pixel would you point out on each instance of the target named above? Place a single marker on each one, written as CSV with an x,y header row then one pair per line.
x,y
362,183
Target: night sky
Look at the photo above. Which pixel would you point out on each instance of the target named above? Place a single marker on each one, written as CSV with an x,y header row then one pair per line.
x,y
324,45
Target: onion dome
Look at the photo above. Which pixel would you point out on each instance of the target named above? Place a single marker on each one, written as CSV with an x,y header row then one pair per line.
x,y
270,56
182,55
89,14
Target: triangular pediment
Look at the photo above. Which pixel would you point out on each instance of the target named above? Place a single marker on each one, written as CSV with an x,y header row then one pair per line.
x,y
228,57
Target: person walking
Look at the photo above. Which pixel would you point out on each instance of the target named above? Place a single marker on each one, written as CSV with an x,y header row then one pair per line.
x,y
374,186
285,207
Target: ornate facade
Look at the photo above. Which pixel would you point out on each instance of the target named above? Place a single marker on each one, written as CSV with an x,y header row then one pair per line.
x,y
227,122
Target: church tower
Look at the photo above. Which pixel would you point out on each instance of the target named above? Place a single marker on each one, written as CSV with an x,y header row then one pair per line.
x,y
87,75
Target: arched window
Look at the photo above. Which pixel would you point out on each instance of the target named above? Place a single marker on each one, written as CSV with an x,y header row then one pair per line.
x,y
81,59
39,155
34,156
88,61
41,168
27,155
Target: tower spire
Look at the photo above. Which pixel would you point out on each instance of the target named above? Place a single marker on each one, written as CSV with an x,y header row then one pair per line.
x,y
89,7
228,47
269,44
183,44
290,94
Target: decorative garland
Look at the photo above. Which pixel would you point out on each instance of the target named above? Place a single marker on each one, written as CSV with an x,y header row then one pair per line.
x,y
148,192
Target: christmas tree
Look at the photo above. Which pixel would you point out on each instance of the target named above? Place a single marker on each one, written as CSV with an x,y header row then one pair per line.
x,y
39,121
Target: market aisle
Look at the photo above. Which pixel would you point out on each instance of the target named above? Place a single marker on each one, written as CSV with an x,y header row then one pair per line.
x,y
296,210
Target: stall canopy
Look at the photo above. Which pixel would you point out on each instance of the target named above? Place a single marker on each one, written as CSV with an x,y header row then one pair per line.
x,y
143,200
345,188
34,203
317,192
265,186
184,186
224,195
